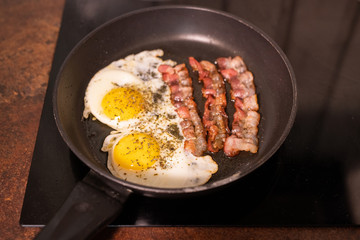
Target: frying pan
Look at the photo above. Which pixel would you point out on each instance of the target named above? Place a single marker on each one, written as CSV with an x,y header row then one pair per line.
x,y
181,31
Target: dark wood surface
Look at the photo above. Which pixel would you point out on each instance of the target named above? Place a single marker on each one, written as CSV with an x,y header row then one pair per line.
x,y
28,35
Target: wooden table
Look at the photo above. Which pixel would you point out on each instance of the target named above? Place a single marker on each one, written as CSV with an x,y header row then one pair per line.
x,y
28,35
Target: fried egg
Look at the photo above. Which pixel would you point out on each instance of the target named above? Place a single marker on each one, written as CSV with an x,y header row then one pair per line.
x,y
147,145
115,98
144,159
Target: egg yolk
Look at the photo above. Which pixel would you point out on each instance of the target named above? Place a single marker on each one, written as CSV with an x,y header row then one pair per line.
x,y
122,103
137,151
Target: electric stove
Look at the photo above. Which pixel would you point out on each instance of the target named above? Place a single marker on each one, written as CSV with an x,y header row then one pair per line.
x,y
312,180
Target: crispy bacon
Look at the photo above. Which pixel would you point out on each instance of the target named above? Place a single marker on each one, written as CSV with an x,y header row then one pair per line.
x,y
177,78
215,119
246,118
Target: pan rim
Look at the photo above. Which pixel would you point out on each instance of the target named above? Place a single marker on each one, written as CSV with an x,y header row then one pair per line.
x,y
150,191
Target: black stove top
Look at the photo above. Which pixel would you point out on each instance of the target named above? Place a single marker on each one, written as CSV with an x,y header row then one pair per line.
x,y
313,179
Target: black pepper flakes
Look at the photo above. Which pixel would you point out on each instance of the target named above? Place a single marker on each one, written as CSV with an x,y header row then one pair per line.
x,y
173,129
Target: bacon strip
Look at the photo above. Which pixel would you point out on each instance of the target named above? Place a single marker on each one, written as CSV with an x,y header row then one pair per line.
x,y
177,78
215,119
246,118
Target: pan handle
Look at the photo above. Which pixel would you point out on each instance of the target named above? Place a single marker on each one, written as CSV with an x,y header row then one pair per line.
x,y
89,208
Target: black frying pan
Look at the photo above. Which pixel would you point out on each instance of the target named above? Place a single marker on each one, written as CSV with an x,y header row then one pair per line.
x,y
181,32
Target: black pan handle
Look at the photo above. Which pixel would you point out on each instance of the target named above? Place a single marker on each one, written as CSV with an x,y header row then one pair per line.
x,y
89,208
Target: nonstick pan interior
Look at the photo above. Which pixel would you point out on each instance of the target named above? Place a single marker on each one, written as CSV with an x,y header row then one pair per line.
x,y
181,32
